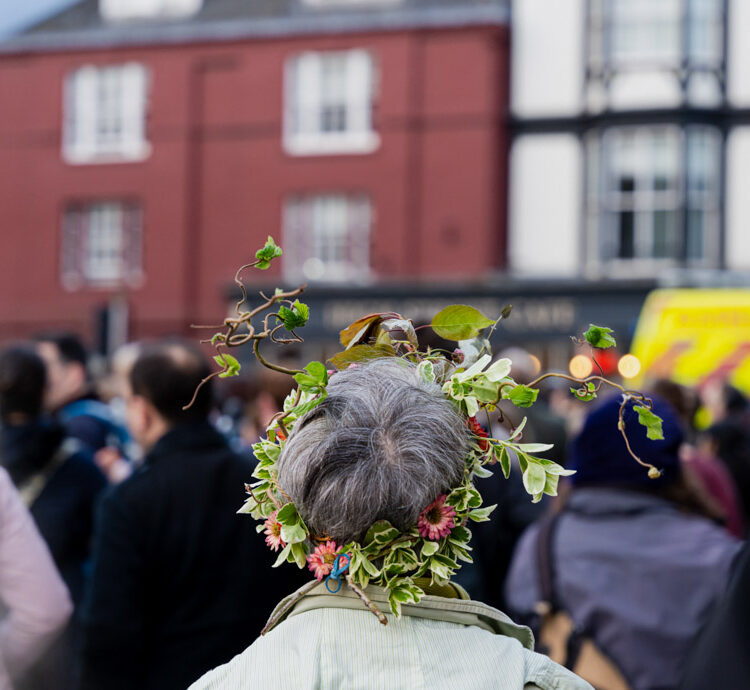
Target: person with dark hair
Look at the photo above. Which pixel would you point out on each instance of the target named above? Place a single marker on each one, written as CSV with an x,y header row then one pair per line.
x,y
630,559
163,608
70,395
56,478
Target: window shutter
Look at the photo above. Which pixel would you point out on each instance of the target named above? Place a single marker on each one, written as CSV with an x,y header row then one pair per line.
x,y
359,91
133,104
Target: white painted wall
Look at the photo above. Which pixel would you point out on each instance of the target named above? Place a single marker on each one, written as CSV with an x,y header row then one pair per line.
x,y
738,53
547,57
545,205
738,200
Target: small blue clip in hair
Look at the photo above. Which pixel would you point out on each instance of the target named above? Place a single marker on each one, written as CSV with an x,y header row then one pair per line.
x,y
336,573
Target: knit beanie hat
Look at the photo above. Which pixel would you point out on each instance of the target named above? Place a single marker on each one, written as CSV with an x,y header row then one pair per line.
x,y
599,454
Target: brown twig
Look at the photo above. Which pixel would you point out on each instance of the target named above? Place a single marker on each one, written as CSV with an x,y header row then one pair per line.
x,y
621,427
199,386
278,615
270,365
366,600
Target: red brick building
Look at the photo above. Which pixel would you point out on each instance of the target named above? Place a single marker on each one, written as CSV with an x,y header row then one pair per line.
x,y
148,147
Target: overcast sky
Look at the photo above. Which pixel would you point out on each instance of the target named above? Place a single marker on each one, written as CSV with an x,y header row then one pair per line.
x,y
15,15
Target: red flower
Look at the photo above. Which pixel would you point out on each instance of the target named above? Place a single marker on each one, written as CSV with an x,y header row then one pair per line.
x,y
476,428
321,560
273,533
437,519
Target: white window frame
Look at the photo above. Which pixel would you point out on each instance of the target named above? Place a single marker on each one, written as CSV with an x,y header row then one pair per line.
x,y
680,196
313,224
303,104
124,10
88,116
102,245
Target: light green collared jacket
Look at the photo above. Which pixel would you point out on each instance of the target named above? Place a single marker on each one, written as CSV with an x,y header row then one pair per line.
x,y
331,641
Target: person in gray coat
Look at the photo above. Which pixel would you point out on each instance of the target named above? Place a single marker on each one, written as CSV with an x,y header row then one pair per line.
x,y
635,566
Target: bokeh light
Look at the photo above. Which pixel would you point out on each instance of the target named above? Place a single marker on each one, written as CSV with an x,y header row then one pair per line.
x,y
629,366
580,366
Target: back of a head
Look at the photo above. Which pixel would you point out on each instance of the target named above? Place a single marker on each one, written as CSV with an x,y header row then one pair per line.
x,y
167,375
600,456
69,346
382,446
22,380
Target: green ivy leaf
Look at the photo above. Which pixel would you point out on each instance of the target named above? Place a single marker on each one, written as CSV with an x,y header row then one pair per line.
x,y
481,514
230,365
551,467
217,337
523,396
651,421
550,484
288,515
482,472
599,336
296,317
266,253
299,554
429,548
504,460
292,534
460,534
426,371
535,447
459,322
281,558
534,477
380,533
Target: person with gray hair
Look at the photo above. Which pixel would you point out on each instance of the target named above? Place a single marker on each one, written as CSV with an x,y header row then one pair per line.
x,y
381,446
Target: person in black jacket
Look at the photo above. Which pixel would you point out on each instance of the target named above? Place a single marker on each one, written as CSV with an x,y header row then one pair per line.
x,y
180,583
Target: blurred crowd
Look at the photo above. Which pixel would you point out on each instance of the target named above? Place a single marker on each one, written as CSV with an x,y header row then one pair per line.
x,y
123,564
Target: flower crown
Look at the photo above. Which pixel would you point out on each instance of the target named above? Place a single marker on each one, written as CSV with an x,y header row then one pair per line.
x,y
435,546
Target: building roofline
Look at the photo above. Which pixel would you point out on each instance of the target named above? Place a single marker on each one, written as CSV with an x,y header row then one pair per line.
x,y
124,35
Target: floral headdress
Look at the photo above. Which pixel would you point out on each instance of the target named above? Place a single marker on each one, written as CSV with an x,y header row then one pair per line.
x,y
435,546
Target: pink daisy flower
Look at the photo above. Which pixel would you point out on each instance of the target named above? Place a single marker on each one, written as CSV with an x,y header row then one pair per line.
x,y
437,519
321,560
273,533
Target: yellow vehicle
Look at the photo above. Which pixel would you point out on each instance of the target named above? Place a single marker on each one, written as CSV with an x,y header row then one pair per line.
x,y
695,336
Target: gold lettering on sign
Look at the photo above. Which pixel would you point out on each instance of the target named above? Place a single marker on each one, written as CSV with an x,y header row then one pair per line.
x,y
553,314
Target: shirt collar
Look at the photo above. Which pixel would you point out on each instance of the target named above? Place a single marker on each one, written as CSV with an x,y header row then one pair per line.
x,y
460,610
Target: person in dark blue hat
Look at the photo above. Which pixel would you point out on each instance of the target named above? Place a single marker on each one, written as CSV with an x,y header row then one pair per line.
x,y
634,563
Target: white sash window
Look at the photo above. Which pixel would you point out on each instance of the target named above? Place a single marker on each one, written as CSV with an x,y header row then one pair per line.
x,y
327,238
328,103
105,114
102,245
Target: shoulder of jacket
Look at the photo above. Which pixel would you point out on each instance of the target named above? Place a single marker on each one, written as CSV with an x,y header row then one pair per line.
x,y
545,674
